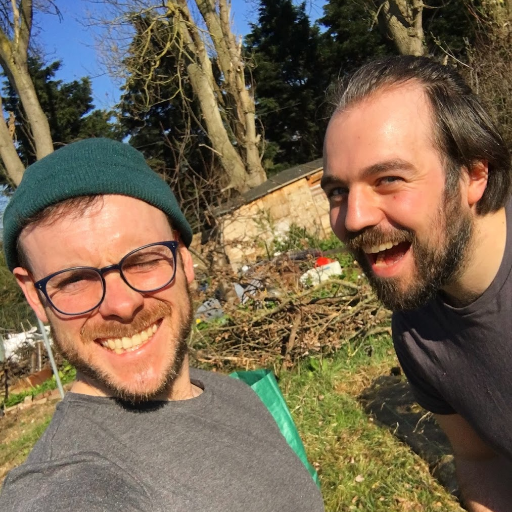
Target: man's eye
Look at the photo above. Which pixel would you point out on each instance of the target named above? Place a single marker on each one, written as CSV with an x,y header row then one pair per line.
x,y
387,180
337,193
142,264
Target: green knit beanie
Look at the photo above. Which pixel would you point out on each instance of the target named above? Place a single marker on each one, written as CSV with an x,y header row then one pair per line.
x,y
87,167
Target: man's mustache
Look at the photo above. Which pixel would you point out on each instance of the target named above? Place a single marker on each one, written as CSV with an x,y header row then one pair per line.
x,y
115,329
370,237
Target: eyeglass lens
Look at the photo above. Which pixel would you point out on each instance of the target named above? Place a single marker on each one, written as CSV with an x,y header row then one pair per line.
x,y
79,290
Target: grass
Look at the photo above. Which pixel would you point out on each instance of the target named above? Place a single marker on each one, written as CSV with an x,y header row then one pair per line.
x,y
362,466
20,432
19,448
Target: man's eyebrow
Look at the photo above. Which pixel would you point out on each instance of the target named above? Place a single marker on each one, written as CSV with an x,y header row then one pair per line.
x,y
387,166
372,170
329,180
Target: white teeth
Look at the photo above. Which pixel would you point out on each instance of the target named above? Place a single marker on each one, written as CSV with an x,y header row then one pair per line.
x,y
381,247
379,261
124,344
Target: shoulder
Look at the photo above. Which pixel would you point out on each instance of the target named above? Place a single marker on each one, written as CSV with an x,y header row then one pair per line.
x,y
234,400
405,320
87,482
220,382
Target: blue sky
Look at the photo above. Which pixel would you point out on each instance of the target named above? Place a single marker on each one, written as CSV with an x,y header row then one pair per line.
x,y
72,41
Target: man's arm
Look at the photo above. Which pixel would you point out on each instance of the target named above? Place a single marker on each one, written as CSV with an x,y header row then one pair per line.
x,y
484,477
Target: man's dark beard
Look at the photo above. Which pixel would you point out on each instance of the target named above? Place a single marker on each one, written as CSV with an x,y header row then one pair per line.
x,y
181,349
435,267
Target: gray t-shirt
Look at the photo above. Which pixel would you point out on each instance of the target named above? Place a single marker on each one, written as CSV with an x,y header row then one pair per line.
x,y
221,451
459,360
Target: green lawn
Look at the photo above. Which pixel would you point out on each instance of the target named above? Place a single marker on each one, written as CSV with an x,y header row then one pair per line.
x,y
362,465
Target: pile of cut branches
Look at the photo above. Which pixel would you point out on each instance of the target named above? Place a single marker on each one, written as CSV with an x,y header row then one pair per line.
x,y
279,322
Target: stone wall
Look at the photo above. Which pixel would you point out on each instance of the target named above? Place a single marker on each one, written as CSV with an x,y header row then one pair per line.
x,y
248,232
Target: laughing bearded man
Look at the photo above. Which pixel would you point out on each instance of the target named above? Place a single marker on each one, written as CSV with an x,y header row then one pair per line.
x,y
418,179
98,244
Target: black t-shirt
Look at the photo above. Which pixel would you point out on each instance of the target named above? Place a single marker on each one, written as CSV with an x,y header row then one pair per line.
x,y
459,360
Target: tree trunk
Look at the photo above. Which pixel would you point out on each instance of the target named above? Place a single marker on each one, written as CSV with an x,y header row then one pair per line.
x,y
203,82
402,20
230,160
37,119
13,59
230,62
10,158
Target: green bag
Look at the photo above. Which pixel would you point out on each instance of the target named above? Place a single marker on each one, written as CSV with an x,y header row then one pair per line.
x,y
265,386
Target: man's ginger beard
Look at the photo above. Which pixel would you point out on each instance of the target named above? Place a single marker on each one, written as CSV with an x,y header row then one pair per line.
x,y
112,329
437,263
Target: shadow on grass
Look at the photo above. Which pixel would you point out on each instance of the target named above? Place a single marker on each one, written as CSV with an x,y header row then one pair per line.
x,y
390,403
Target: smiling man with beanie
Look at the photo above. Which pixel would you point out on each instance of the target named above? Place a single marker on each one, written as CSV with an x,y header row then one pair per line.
x,y
98,244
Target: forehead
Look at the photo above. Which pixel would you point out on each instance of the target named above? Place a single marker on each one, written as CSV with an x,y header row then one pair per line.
x,y
104,230
392,124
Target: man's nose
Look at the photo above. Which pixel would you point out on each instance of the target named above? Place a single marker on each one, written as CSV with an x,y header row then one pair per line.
x,y
121,301
363,209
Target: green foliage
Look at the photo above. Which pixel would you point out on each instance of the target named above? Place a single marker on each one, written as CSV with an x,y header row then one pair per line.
x,y
299,238
449,26
67,374
352,37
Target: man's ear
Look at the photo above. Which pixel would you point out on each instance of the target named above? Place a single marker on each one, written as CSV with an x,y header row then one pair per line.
x,y
31,294
188,264
478,176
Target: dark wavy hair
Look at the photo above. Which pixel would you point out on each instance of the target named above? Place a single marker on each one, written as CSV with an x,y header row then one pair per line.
x,y
464,131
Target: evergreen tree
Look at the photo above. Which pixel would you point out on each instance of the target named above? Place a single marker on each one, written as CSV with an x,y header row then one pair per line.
x,y
450,28
352,36
287,68
68,107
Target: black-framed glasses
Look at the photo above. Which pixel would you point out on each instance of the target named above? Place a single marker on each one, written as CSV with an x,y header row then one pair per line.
x,y
78,290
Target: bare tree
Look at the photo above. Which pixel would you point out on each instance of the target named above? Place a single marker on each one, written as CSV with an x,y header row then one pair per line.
x,y
494,17
402,20
229,58
489,60
16,18
200,46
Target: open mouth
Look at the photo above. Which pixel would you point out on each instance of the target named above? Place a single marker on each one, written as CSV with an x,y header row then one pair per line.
x,y
387,254
129,343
